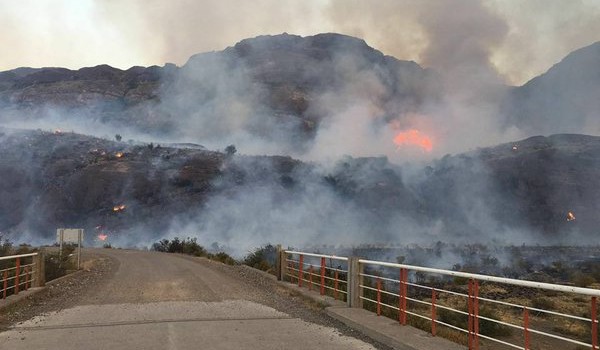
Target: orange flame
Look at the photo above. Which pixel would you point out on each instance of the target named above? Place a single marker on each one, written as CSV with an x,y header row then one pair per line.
x,y
570,216
119,154
118,208
102,237
413,137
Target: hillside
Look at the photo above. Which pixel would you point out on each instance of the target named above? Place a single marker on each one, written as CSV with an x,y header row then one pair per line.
x,y
281,91
53,179
278,88
564,99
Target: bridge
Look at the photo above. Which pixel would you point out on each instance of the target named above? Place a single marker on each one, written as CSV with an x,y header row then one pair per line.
x,y
150,300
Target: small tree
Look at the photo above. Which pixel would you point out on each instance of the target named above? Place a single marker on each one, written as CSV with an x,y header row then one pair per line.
x,y
230,150
118,137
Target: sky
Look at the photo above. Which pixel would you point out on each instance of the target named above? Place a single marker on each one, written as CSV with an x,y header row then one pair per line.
x,y
521,38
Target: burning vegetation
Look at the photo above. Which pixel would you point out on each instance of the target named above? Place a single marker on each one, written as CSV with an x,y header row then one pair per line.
x,y
119,208
414,137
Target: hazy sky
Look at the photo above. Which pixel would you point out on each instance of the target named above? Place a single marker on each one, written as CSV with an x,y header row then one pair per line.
x,y
520,38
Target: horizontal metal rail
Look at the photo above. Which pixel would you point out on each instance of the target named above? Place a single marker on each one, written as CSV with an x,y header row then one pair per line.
x,y
473,316
18,277
17,256
316,273
488,278
382,288
335,257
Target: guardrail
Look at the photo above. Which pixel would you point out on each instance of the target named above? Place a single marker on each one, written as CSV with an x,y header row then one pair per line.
x,y
478,306
327,272
20,272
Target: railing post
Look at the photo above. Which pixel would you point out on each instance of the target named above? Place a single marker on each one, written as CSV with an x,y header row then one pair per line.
x,y
17,273
40,267
526,327
473,314
354,282
310,275
280,263
594,318
323,276
378,297
476,307
403,291
433,316
300,270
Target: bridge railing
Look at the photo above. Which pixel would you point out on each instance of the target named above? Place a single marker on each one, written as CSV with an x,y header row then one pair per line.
x,y
19,273
327,273
503,312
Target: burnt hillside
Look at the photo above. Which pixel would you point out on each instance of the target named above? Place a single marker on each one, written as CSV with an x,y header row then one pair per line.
x,y
517,191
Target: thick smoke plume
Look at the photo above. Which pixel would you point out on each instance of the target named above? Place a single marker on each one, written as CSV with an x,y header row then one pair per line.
x,y
216,100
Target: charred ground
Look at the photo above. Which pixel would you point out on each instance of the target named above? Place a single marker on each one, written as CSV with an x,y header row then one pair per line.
x,y
56,179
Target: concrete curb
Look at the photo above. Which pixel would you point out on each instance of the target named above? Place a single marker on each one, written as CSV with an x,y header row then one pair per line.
x,y
378,328
14,299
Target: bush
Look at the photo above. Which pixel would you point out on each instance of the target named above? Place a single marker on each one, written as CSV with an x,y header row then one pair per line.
x,y
543,303
583,280
223,257
263,258
188,246
5,247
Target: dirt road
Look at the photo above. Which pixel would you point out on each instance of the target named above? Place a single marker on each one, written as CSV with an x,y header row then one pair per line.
x,y
150,300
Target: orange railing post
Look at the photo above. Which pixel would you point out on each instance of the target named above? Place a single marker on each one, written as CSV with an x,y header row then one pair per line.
x,y
476,309
300,273
403,294
433,316
473,306
323,276
470,317
526,327
594,324
378,297
17,273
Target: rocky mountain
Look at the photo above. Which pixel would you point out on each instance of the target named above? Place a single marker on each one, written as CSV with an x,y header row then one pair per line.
x,y
280,87
564,99
282,90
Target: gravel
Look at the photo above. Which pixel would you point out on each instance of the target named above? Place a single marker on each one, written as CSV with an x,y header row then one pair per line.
x,y
88,285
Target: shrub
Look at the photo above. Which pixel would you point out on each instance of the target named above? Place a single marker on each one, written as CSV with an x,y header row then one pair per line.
x,y
222,257
543,303
262,258
582,280
188,246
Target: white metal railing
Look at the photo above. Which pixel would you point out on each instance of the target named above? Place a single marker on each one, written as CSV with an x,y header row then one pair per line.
x,y
313,270
17,272
409,293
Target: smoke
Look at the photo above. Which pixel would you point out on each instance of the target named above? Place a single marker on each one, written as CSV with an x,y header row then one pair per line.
x,y
87,33
317,99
